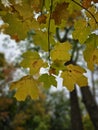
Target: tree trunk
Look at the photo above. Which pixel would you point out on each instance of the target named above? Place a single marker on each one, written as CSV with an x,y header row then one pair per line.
x,y
76,119
90,105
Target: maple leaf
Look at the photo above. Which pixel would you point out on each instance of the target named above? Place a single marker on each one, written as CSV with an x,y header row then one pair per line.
x,y
48,80
92,19
41,39
59,12
73,75
37,5
24,9
61,52
26,86
33,61
73,6
17,27
91,52
87,3
56,66
65,11
81,31
42,19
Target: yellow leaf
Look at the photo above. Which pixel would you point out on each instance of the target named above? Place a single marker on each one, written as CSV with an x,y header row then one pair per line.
x,y
61,52
73,75
82,81
36,65
68,81
26,86
33,61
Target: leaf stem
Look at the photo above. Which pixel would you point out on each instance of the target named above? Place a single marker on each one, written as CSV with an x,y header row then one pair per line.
x,y
51,5
86,10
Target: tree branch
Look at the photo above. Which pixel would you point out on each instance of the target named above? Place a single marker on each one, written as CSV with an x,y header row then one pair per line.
x,y
86,10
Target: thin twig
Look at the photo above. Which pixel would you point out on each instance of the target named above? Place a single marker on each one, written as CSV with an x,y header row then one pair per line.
x,y
86,10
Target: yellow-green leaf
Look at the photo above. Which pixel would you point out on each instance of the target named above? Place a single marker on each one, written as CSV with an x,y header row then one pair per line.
x,y
56,66
61,52
92,21
17,27
81,31
41,39
31,55
91,51
73,6
24,9
48,80
26,86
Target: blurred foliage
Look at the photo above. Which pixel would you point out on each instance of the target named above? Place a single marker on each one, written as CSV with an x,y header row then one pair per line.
x,y
50,112
87,123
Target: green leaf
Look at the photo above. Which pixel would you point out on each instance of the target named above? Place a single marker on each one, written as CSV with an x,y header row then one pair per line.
x,y
26,86
91,52
48,80
41,39
56,66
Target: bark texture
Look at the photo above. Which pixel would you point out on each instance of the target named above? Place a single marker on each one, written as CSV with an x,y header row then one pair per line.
x,y
76,119
90,105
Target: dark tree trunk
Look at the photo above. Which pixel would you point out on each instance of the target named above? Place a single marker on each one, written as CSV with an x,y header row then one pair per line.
x,y
90,105
76,119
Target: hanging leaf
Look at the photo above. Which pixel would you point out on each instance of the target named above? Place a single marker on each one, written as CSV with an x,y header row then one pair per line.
x,y
73,75
91,52
41,39
24,8
61,52
81,31
48,80
92,19
26,86
62,12
87,3
37,5
17,27
73,6
56,66
32,61
59,12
